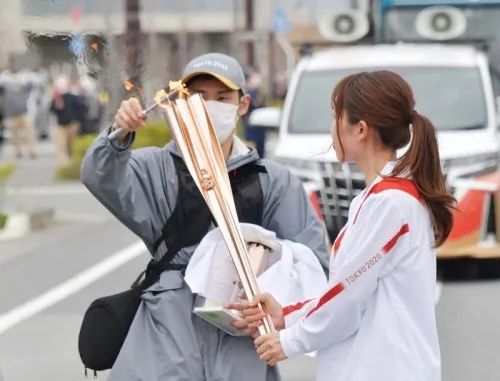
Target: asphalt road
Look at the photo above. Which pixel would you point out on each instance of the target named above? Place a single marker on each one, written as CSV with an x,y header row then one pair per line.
x,y
43,347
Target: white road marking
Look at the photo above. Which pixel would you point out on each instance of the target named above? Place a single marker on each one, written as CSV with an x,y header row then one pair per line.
x,y
69,287
46,190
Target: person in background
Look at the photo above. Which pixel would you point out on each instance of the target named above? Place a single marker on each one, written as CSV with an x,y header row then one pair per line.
x,y
67,108
376,321
15,112
280,85
39,103
252,134
93,109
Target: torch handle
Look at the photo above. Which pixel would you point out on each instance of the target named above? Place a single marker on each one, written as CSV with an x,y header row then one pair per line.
x,y
118,131
268,323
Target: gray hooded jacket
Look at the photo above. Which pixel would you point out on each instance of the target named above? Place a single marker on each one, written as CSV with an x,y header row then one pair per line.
x,y
166,341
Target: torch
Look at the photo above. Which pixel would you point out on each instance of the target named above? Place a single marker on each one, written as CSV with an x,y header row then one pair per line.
x,y
197,142
160,97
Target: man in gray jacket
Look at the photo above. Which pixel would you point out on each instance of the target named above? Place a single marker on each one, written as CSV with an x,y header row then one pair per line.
x,y
151,192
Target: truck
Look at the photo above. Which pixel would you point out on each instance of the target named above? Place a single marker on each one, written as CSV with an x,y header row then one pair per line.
x,y
454,84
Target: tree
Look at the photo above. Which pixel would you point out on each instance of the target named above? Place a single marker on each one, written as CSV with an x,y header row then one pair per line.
x,y
133,45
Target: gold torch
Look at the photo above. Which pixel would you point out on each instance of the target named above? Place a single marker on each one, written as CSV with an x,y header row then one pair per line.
x,y
197,142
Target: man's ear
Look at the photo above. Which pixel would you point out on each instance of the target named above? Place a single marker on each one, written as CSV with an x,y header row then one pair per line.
x,y
244,105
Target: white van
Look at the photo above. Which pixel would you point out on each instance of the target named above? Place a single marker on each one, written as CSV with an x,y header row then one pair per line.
x,y
452,85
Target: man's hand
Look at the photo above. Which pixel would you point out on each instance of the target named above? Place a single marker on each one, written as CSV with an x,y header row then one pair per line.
x,y
269,348
242,326
129,116
253,315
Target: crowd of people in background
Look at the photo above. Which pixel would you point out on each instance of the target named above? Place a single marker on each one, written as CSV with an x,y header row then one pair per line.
x,y
37,105
33,103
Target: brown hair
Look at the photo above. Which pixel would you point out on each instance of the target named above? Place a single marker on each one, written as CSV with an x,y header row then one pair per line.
x,y
384,100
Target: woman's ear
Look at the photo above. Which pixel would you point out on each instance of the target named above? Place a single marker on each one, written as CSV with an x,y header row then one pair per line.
x,y
363,130
244,105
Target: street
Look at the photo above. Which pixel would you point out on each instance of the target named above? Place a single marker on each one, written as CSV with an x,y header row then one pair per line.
x,y
353,97
40,319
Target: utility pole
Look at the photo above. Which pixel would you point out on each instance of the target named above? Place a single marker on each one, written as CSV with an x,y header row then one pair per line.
x,y
249,27
182,37
133,39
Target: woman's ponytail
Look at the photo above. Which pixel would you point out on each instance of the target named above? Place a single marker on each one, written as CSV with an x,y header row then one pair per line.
x,y
422,161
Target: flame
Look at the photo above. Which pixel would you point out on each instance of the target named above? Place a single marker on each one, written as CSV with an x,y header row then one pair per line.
x,y
128,85
160,98
179,86
95,47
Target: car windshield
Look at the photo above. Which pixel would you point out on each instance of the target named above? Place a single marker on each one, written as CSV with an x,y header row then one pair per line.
x,y
451,97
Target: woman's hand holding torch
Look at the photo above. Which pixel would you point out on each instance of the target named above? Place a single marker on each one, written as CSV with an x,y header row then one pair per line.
x,y
268,346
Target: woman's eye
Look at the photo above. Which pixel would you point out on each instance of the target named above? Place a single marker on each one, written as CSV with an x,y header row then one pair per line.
x,y
221,99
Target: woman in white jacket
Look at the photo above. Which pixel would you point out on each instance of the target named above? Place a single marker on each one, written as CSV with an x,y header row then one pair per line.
x,y
376,320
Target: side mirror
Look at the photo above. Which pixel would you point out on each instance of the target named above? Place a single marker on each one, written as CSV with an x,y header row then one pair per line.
x,y
265,117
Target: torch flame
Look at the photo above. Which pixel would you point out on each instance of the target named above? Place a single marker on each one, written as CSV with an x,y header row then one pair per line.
x,y
179,86
128,85
160,98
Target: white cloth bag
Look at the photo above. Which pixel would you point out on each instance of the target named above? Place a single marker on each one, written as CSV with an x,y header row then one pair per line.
x,y
293,273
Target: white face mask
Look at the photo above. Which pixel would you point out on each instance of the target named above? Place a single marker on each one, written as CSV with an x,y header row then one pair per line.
x,y
223,117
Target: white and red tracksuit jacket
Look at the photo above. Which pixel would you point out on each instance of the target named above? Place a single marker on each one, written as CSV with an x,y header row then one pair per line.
x,y
376,321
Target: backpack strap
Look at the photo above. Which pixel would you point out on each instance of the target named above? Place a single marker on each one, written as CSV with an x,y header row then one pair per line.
x,y
191,217
182,230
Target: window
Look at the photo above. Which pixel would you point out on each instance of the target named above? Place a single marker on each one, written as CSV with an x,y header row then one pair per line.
x,y
451,97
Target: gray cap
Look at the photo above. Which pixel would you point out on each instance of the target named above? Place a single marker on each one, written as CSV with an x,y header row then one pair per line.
x,y
226,69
